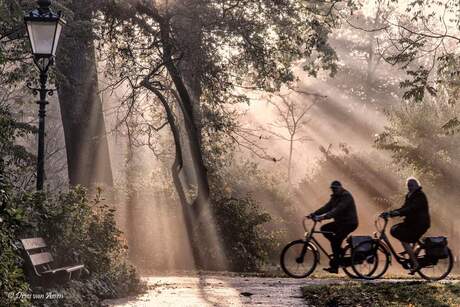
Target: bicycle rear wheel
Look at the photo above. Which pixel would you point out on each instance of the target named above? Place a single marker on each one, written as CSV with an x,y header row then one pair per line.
x,y
299,259
434,269
373,264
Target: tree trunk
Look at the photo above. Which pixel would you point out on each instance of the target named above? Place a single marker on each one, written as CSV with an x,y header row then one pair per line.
x,y
371,61
187,108
187,83
291,145
131,201
188,36
187,213
81,108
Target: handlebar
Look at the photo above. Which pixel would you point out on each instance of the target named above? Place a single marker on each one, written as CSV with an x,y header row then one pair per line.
x,y
384,217
308,218
312,230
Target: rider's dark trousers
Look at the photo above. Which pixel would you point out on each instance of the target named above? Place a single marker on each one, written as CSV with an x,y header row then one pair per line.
x,y
341,231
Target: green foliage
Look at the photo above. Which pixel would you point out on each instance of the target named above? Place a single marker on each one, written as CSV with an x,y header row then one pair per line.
x,y
83,231
252,210
240,225
13,160
419,137
417,85
78,231
452,126
15,69
116,283
383,294
87,227
71,224
422,39
12,279
227,46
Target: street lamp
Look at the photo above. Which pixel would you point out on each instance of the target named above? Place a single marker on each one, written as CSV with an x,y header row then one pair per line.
x,y
44,29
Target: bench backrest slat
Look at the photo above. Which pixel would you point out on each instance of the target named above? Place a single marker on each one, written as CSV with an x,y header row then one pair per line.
x,y
41,258
33,243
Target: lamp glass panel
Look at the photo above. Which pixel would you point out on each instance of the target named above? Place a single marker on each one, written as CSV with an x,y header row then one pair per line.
x,y
56,39
41,36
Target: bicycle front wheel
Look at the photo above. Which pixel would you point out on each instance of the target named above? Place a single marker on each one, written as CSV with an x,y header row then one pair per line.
x,y
346,262
299,259
434,269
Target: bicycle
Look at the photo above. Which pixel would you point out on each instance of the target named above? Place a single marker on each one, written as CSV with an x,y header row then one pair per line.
x,y
429,268
299,258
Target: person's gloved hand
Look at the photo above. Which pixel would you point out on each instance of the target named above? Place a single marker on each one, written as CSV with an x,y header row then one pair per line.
x,y
388,214
319,218
316,218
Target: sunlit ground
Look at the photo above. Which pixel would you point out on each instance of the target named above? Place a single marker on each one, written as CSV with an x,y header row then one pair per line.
x,y
232,290
218,291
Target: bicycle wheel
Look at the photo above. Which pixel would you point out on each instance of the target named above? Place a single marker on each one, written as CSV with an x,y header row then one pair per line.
x,y
373,264
299,259
346,263
434,269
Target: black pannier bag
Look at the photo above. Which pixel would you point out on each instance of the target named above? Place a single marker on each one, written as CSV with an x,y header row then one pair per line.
x,y
361,244
436,247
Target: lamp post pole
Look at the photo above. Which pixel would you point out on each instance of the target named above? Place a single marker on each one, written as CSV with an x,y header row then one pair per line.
x,y
41,128
44,29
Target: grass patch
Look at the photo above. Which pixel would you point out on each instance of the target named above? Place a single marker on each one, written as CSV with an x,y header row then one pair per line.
x,y
415,293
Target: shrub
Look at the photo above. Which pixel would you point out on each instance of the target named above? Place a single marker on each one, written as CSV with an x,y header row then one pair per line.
x,y
79,230
73,226
13,160
240,225
12,279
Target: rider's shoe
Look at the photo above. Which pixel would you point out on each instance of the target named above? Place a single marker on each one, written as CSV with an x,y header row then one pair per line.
x,y
332,270
406,264
414,270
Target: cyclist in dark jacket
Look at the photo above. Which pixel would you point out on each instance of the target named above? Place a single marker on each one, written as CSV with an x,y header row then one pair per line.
x,y
416,222
341,207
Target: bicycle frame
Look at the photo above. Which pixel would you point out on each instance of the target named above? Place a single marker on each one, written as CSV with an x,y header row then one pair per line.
x,y
310,238
383,238
310,246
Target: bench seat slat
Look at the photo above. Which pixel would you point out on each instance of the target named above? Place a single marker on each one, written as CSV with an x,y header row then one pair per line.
x,y
67,269
53,271
33,243
75,268
41,258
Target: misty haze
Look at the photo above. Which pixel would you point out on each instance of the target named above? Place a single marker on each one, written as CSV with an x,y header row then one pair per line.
x,y
197,152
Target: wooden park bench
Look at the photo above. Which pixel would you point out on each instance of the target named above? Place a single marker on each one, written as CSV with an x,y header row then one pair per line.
x,y
40,264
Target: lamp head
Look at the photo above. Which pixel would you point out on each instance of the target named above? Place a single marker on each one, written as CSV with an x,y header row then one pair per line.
x,y
44,29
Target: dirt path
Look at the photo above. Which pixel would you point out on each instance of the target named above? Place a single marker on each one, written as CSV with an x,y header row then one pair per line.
x,y
221,290
208,290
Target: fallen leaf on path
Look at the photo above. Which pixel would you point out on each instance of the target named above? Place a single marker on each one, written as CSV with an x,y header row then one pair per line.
x,y
246,293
